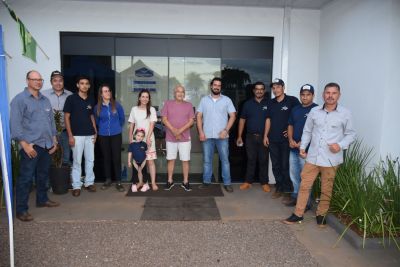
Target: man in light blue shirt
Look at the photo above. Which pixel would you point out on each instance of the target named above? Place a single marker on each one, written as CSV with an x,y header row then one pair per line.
x,y
214,126
330,130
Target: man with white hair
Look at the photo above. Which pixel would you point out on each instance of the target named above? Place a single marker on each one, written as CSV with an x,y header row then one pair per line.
x,y
178,117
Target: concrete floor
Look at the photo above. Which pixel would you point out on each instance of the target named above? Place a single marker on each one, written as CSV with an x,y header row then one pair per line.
x,y
246,211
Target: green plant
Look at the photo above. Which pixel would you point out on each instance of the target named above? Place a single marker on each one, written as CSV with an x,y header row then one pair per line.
x,y
368,202
57,155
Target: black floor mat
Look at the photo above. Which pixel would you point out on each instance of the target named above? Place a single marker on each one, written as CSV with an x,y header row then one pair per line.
x,y
214,190
180,209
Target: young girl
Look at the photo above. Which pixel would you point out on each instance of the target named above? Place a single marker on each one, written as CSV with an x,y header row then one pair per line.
x,y
137,157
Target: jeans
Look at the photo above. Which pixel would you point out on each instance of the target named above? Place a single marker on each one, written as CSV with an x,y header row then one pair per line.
x,y
111,150
37,167
296,164
256,152
63,140
83,144
279,152
208,154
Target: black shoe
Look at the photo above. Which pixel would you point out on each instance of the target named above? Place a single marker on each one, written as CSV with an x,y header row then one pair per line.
x,y
204,186
186,187
291,203
106,185
120,187
168,186
321,220
293,219
228,188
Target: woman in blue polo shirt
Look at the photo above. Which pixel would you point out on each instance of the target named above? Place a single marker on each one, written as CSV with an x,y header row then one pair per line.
x,y
110,118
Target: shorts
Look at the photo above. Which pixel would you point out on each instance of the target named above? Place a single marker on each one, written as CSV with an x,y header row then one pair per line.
x,y
182,147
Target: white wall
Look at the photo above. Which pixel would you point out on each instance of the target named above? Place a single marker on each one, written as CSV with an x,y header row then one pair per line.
x,y
357,50
46,18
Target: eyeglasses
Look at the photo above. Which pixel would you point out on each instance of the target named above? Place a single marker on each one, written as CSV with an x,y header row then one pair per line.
x,y
36,80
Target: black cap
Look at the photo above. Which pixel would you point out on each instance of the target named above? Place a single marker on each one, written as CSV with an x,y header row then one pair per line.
x,y
307,87
277,81
56,73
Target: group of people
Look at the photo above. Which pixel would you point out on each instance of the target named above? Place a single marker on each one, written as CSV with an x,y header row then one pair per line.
x,y
299,137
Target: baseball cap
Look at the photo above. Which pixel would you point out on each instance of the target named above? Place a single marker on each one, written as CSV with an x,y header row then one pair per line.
x,y
277,81
307,87
56,73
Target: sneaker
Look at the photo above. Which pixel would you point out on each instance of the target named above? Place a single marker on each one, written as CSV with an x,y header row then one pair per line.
x,y
228,188
106,185
134,188
91,188
186,187
293,219
120,187
145,188
245,186
266,188
168,186
204,186
321,220
276,195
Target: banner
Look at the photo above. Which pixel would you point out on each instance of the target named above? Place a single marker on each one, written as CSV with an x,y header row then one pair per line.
x,y
5,145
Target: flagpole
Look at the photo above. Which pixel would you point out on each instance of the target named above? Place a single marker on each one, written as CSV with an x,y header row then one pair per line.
x,y
6,188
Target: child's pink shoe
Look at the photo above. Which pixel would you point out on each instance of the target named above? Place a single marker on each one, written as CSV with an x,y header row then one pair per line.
x,y
134,188
145,187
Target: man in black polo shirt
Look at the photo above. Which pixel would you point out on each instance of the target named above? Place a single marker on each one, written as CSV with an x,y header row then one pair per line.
x,y
275,136
81,129
254,114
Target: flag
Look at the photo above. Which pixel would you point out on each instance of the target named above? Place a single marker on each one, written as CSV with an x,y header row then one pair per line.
x,y
28,42
5,146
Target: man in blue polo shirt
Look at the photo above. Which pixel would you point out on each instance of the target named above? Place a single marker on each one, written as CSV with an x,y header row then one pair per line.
x,y
254,114
32,126
275,136
81,129
297,119
213,126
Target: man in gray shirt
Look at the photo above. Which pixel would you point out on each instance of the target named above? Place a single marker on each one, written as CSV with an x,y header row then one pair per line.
x,y
330,130
32,125
57,96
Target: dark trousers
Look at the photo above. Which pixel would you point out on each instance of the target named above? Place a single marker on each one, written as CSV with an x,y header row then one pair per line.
x,y
37,167
279,152
111,150
256,152
135,178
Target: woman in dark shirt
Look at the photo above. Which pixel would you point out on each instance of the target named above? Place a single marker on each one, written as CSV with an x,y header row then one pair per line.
x,y
110,118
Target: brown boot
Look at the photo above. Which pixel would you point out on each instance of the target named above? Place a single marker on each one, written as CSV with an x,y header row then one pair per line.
x,y
276,194
25,217
266,188
245,186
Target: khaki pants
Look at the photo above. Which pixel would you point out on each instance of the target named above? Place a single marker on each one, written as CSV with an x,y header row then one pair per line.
x,y
308,176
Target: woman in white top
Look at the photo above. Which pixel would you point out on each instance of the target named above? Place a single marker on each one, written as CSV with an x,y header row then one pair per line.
x,y
144,116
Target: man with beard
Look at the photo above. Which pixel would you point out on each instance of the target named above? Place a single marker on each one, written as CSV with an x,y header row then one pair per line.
x,y
254,114
213,126
331,129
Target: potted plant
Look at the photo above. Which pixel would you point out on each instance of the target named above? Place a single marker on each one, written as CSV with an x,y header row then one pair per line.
x,y
59,174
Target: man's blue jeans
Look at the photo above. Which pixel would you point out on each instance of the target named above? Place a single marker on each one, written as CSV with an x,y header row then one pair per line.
x,y
296,164
37,167
83,145
208,154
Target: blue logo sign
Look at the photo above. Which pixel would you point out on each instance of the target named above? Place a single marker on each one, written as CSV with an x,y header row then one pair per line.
x,y
144,72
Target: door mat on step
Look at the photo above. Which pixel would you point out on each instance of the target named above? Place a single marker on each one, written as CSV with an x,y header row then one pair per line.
x,y
214,190
180,209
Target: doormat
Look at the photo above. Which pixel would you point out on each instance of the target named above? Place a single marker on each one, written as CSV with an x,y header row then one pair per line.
x,y
214,190
180,209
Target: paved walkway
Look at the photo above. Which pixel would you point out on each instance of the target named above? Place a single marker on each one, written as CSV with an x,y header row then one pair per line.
x,y
104,229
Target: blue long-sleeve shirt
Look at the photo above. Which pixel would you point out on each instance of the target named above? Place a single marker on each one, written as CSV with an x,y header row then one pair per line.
x,y
32,120
109,123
